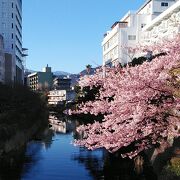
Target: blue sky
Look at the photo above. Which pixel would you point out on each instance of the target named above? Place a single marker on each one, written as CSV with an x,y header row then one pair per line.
x,y
67,34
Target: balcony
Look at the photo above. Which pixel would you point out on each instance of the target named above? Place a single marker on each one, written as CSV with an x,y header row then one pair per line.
x,y
121,24
24,52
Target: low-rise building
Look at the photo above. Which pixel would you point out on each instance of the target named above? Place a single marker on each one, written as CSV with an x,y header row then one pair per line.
x,y
40,81
57,97
62,83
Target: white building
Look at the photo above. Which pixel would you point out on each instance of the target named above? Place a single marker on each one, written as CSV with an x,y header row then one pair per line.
x,y
56,97
2,61
165,26
11,30
127,32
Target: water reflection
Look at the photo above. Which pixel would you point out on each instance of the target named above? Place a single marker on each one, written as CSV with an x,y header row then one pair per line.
x,y
11,165
93,161
61,124
51,156
106,166
32,157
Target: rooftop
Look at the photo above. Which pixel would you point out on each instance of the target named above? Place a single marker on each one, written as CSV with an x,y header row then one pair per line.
x,y
118,22
146,2
127,15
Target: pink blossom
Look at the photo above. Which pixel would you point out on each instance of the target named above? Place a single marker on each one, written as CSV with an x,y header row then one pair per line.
x,y
143,105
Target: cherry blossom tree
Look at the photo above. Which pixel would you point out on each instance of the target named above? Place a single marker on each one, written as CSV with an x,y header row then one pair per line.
x,y
139,104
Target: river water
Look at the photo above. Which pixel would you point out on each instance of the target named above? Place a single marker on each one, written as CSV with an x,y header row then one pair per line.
x,y
57,158
52,156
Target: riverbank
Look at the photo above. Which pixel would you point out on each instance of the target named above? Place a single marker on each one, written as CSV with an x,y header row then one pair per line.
x,y
22,114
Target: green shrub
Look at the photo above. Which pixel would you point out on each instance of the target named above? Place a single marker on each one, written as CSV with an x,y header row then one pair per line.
x,y
20,107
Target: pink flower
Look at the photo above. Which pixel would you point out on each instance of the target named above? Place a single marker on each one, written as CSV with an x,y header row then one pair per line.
x,y
142,108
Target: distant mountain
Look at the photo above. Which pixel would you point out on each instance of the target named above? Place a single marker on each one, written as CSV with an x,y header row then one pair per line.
x,y
59,73
29,71
84,72
75,77
56,73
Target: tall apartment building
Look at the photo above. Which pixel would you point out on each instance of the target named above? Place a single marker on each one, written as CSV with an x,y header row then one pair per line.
x,y
127,32
11,30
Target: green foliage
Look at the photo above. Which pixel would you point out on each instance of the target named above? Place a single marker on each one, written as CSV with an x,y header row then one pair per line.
x,y
174,166
88,66
86,94
20,108
138,61
175,83
142,59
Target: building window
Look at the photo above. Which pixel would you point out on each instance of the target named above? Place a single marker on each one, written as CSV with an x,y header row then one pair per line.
x,y
164,4
3,4
12,5
12,25
4,25
142,25
12,35
12,15
131,37
12,46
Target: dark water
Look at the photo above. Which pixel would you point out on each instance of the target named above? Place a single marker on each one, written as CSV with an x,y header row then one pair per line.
x,y
54,157
57,160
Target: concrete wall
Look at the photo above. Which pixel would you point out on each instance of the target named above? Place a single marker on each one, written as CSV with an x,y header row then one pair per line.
x,y
9,75
2,61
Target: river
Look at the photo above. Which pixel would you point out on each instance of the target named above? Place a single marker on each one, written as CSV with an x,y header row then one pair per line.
x,y
52,156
